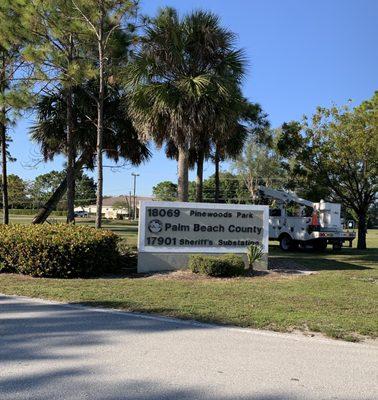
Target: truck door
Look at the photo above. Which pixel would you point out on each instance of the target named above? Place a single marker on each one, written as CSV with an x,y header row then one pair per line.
x,y
275,222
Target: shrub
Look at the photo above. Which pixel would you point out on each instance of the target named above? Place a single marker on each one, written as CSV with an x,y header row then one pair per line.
x,y
60,251
128,256
227,265
254,253
29,211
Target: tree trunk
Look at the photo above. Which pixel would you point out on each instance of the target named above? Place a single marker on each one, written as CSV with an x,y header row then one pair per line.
x,y
4,174
70,159
361,241
52,202
216,175
100,122
199,178
183,172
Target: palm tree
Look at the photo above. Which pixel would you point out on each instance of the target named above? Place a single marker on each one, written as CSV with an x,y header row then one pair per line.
x,y
182,71
121,141
244,119
235,121
227,147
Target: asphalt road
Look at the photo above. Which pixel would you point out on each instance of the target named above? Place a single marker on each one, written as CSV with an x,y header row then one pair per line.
x,y
51,351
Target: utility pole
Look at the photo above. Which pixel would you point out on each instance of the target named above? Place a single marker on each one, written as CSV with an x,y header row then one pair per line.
x,y
135,176
130,207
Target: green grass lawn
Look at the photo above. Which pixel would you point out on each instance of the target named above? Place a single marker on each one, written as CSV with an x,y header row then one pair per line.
x,y
340,300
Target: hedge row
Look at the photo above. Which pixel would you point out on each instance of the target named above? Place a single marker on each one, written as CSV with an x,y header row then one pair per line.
x,y
60,251
227,265
29,211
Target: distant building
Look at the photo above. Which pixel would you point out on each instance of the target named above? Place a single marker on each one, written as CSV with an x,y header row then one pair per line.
x,y
117,207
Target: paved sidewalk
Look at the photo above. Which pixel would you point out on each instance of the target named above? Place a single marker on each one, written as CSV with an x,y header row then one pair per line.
x,y
54,351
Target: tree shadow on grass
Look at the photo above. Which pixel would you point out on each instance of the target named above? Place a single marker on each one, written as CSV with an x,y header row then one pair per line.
x,y
328,260
369,255
316,264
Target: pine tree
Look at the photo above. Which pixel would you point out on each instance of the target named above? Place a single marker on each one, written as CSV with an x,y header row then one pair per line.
x,y
57,58
15,85
104,21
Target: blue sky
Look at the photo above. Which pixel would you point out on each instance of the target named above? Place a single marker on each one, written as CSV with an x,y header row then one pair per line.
x,y
302,53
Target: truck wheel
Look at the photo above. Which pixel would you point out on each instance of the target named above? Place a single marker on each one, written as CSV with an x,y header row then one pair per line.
x,y
337,246
286,243
320,244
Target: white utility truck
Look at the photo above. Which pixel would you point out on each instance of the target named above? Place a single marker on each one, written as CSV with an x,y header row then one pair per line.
x,y
297,222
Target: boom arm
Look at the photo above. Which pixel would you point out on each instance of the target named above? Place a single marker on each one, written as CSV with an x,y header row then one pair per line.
x,y
285,196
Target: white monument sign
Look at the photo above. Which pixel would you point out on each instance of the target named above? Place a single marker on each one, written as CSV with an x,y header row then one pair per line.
x,y
170,231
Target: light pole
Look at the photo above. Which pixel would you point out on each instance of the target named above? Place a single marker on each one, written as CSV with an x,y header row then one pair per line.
x,y
135,176
130,206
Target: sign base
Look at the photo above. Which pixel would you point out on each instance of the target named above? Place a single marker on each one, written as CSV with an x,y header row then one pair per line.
x,y
154,262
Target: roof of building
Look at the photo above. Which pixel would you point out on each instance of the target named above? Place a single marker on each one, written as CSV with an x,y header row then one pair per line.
x,y
110,201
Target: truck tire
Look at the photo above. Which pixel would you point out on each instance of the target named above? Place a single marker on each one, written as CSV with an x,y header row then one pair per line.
x,y
286,242
320,244
337,245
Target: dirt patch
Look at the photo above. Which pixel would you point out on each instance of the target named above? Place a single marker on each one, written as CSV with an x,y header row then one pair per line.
x,y
186,275
282,265
278,263
182,275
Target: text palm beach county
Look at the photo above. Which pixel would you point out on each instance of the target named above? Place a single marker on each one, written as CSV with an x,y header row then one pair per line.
x,y
178,227
211,228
